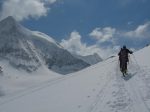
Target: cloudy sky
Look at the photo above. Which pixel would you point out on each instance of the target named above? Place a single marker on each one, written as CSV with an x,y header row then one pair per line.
x,y
85,26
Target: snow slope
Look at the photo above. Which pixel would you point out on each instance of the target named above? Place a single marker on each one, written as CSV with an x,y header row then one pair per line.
x,y
13,81
99,88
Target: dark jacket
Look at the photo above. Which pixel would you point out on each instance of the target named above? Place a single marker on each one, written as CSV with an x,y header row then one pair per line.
x,y
123,54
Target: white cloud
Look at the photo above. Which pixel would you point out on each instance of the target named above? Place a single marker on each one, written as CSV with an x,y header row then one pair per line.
x,y
115,37
142,31
103,34
23,9
74,45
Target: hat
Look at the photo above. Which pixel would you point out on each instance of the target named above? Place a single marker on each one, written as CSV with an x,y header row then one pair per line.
x,y
124,47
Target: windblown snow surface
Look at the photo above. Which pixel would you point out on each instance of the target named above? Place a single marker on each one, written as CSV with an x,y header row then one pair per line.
x,y
99,88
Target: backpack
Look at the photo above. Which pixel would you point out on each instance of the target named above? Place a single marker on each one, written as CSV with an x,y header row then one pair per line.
x,y
124,54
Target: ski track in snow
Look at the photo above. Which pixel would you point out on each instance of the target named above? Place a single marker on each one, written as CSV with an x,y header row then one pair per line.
x,y
120,101
100,96
127,96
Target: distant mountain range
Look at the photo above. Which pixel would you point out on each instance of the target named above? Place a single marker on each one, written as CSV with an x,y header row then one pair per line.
x,y
90,59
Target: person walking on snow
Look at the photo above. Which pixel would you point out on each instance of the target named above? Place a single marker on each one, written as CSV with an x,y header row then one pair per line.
x,y
123,58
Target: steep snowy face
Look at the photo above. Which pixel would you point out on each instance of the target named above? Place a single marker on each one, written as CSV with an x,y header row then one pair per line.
x,y
54,56
90,59
29,49
15,46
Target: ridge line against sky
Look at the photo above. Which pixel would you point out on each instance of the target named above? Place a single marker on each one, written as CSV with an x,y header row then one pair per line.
x,y
84,26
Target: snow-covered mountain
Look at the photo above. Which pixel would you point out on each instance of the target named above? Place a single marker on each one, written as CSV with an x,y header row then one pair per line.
x,y
90,59
99,88
29,50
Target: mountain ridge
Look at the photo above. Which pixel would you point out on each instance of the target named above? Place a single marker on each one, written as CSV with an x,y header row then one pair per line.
x,y
28,50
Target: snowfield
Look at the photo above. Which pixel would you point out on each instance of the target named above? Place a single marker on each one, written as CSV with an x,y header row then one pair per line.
x,y
99,88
